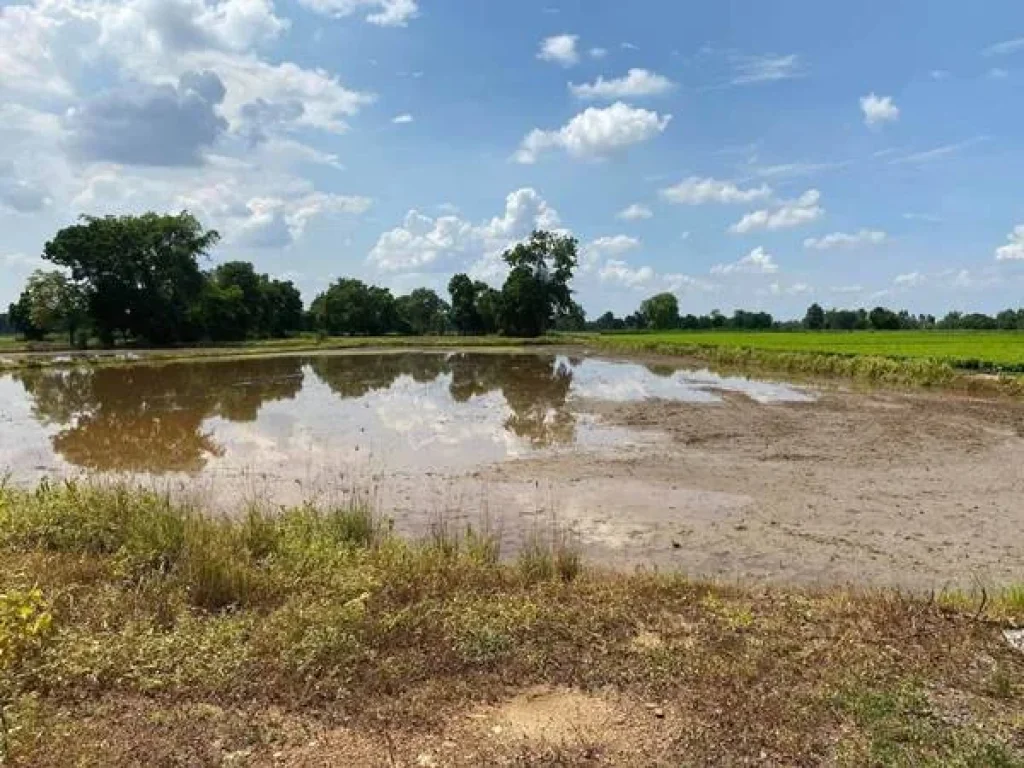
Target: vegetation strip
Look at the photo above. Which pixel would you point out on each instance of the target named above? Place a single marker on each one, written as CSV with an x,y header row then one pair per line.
x,y
137,630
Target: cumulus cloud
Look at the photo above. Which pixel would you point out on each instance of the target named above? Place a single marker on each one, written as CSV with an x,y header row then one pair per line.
x,y
634,84
698,191
757,262
1014,249
151,124
602,248
878,109
595,132
845,240
635,212
645,278
383,13
560,49
618,271
792,213
423,241
18,194
183,25
402,119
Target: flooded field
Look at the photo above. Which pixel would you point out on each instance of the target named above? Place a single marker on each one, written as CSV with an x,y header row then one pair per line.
x,y
655,465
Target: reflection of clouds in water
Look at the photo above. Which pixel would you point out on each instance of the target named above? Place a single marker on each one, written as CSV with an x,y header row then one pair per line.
x,y
628,382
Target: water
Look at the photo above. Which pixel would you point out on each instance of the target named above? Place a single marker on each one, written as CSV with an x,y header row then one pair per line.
x,y
291,421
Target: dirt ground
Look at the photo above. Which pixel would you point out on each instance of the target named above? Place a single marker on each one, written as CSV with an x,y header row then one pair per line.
x,y
914,490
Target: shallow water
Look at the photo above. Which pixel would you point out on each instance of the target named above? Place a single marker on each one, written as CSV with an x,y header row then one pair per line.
x,y
295,420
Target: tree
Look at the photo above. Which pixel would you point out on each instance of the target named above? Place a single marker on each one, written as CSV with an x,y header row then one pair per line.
x,y
49,303
536,292
883,319
270,307
661,311
139,274
463,311
424,312
350,307
488,307
814,320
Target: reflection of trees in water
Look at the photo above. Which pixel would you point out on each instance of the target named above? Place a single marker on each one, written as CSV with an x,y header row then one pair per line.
x,y
149,418
358,375
536,387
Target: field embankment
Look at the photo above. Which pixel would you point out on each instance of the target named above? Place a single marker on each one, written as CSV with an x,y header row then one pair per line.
x,y
967,360
22,356
135,631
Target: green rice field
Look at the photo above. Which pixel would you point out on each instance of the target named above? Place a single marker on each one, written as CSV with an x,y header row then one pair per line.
x,y
996,350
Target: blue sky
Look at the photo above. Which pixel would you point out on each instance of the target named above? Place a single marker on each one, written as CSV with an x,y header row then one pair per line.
x,y
739,154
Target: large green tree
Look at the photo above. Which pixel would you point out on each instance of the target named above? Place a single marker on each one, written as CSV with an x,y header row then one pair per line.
x,y
814,320
351,307
423,312
536,292
140,274
661,311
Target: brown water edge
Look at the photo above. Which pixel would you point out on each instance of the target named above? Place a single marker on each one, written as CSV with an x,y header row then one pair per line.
x,y
647,465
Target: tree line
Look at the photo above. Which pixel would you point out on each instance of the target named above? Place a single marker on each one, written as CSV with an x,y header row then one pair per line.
x,y
661,312
138,279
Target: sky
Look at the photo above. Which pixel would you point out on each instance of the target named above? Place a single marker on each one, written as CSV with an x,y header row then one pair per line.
x,y
738,154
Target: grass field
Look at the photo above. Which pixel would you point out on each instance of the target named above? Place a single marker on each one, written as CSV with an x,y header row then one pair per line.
x,y
961,349
134,631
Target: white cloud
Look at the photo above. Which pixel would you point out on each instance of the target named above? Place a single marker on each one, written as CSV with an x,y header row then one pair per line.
x,y
646,279
748,70
909,280
635,84
598,53
878,109
1014,249
595,132
792,213
845,240
560,49
758,261
422,241
635,212
698,191
383,13
402,119
603,248
617,271
1005,47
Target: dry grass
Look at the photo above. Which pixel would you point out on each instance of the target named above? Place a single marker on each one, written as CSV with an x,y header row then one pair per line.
x,y
313,637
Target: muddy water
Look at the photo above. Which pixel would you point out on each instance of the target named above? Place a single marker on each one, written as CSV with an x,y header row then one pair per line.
x,y
422,433
284,416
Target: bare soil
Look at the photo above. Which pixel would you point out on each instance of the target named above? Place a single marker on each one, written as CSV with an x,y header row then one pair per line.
x,y
917,491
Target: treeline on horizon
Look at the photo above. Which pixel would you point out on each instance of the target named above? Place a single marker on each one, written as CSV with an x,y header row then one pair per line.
x,y
138,279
